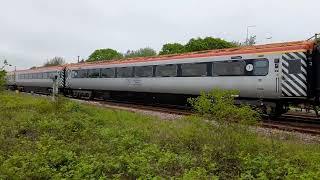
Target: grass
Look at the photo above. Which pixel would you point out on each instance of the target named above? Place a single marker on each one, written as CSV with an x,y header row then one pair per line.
x,y
40,139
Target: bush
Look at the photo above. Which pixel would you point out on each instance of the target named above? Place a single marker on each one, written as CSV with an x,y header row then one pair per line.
x,y
219,105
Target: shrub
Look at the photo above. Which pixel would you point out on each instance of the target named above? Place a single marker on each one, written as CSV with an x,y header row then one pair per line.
x,y
219,105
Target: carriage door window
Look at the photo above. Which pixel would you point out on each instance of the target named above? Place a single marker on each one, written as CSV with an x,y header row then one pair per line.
x,y
261,67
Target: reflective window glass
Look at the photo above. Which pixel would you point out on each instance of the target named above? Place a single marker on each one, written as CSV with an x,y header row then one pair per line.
x,y
93,73
193,70
124,72
107,73
169,70
143,71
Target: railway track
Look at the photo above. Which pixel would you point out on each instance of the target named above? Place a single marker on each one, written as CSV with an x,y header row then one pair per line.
x,y
295,122
292,121
170,109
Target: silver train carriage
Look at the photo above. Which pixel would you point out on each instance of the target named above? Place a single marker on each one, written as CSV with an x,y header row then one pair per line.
x,y
38,80
271,76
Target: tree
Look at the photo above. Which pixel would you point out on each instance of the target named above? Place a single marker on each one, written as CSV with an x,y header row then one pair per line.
x,y
104,54
2,79
5,63
207,43
172,48
143,52
3,74
54,62
251,41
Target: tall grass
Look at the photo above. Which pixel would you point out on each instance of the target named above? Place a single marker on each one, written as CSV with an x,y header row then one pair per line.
x,y
40,139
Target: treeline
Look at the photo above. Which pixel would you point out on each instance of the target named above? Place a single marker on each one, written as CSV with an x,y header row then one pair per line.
x,y
193,45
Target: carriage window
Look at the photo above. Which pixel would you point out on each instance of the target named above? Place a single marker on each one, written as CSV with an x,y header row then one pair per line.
x,y
39,76
34,76
74,74
124,72
294,66
82,73
229,68
194,70
169,70
143,71
107,73
45,75
94,73
51,75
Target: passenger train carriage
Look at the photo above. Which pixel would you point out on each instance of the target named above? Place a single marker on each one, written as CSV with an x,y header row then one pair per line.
x,y
272,76
37,80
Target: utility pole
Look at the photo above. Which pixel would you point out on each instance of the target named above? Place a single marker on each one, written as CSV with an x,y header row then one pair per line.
x,y
54,87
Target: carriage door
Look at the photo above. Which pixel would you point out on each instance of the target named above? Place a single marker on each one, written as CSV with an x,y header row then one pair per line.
x,y
258,68
294,73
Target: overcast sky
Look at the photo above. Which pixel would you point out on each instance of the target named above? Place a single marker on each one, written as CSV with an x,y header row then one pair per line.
x,y
32,31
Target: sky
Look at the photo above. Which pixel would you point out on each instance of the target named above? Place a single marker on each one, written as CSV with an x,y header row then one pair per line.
x,y
33,31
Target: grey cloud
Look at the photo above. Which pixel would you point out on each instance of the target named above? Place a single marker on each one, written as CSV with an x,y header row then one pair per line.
x,y
32,31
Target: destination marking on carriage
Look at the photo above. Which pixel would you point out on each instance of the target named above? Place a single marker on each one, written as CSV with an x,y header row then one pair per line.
x,y
134,82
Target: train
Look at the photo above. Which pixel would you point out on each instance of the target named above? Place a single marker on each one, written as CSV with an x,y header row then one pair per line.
x,y
271,76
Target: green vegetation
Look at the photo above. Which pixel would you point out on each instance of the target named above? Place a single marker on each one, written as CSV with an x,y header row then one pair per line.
x,y
172,48
104,54
40,139
143,52
218,105
207,43
198,44
2,79
56,61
